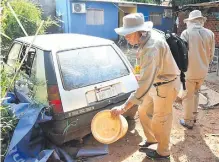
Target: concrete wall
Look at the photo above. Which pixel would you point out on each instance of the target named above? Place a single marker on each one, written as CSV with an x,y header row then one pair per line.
x,y
167,23
48,7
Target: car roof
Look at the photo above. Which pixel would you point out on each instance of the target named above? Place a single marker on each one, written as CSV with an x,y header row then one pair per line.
x,y
59,42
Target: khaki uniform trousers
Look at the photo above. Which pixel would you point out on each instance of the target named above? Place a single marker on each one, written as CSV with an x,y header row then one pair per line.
x,y
155,114
190,100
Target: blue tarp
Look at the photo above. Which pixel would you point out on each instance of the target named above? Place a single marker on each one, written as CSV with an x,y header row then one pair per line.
x,y
20,149
28,143
23,147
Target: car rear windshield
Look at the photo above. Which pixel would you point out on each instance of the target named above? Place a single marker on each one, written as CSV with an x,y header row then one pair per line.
x,y
88,66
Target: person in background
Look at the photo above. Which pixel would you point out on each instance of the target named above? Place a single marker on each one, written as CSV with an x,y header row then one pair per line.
x,y
201,44
159,84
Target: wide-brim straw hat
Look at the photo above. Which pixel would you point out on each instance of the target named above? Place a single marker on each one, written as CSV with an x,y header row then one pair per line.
x,y
133,23
195,15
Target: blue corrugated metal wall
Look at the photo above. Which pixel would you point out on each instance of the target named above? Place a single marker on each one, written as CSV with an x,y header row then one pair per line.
x,y
78,21
167,23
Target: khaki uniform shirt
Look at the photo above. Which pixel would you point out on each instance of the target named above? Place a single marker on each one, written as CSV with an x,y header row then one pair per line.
x,y
157,65
201,50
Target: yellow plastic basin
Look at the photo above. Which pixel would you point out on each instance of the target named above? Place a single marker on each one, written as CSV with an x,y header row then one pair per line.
x,y
107,129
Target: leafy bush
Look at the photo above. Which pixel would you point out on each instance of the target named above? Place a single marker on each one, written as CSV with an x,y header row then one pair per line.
x,y
30,16
8,122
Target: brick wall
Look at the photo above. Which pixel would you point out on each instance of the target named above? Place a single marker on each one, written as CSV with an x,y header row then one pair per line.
x,y
212,23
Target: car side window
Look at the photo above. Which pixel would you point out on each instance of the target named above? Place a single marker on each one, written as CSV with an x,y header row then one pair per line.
x,y
25,84
28,62
13,54
38,78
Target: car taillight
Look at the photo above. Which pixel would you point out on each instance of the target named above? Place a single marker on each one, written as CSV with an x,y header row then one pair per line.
x,y
54,98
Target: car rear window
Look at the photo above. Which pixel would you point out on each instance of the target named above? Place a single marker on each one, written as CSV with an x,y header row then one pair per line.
x,y
88,66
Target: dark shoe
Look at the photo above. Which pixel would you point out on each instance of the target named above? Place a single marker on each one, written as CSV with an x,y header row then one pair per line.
x,y
155,156
146,144
182,122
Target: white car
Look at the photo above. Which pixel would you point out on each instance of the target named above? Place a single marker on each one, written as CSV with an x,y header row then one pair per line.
x,y
82,74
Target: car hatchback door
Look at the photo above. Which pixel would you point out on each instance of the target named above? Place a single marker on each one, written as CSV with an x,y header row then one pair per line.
x,y
91,75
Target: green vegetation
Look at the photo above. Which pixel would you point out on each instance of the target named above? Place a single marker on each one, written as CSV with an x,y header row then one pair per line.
x,y
30,16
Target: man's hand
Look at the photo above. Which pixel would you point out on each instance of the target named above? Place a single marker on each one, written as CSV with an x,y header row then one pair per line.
x,y
120,110
117,111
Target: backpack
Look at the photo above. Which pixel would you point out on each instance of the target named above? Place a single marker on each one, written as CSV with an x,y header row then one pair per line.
x,y
179,50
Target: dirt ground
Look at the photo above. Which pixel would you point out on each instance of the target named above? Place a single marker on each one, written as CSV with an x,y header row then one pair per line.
x,y
212,81
198,145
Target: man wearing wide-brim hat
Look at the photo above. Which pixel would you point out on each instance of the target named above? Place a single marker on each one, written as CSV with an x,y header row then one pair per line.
x,y
158,84
201,51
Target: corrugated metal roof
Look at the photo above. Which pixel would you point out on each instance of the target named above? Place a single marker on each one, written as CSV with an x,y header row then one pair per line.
x,y
123,2
205,4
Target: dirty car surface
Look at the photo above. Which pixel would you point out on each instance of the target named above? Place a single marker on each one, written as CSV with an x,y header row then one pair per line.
x,y
79,76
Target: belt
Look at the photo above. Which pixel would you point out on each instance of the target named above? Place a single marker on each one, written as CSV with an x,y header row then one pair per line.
x,y
162,83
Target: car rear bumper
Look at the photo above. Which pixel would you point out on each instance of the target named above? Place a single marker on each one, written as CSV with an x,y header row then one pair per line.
x,y
61,131
92,107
